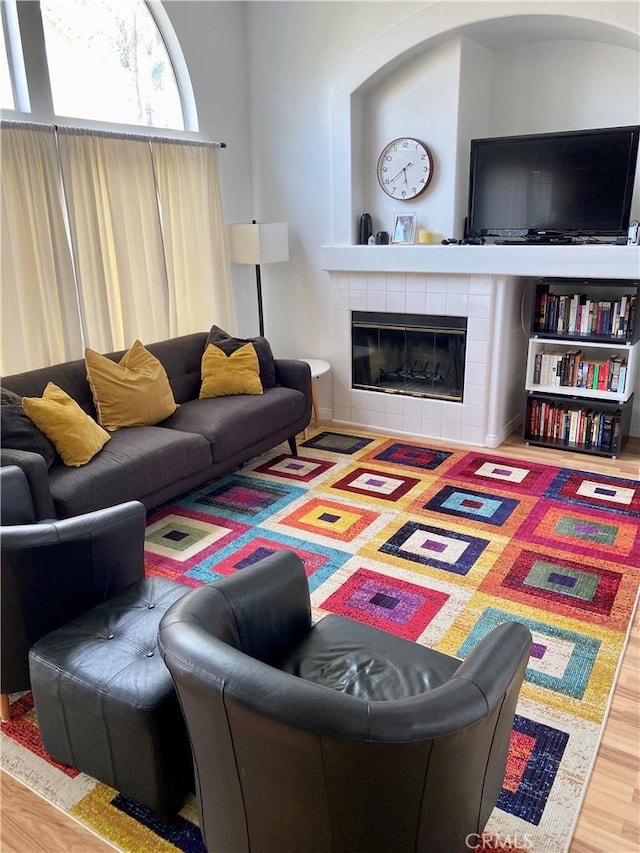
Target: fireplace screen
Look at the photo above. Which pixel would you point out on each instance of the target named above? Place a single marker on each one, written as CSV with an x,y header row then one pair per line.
x,y
422,356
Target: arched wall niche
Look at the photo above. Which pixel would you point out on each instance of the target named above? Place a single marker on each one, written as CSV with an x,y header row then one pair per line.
x,y
462,38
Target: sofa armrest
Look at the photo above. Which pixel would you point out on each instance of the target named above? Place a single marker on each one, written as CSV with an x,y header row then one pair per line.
x,y
294,374
16,504
35,469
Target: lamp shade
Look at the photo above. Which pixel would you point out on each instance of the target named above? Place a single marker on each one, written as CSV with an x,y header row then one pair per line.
x,y
258,243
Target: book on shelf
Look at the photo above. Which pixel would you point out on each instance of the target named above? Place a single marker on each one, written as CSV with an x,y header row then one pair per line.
x,y
570,368
622,379
603,376
607,431
537,368
573,424
579,314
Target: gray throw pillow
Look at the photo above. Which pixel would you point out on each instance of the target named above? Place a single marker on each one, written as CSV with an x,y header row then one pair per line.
x,y
262,347
18,432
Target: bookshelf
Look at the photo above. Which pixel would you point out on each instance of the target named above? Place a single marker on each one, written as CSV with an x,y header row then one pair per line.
x,y
581,364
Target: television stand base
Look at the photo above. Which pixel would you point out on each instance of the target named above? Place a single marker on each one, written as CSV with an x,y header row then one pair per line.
x,y
549,241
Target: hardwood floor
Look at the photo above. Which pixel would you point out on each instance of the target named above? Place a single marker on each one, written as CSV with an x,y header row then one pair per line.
x,y
609,820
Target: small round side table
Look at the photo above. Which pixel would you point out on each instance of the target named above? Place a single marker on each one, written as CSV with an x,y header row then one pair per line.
x,y
318,368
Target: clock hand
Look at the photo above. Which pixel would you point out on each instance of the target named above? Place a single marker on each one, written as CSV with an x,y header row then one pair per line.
x,y
391,180
403,170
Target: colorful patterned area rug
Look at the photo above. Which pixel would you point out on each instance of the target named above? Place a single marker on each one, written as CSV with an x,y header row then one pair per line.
x,y
437,546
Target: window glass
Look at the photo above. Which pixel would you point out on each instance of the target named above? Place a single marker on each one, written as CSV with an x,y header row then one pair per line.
x,y
6,89
108,62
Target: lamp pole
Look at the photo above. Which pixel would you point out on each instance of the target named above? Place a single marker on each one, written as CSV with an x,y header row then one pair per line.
x,y
259,286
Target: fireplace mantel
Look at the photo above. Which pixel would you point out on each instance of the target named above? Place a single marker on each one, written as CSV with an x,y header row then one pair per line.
x,y
593,261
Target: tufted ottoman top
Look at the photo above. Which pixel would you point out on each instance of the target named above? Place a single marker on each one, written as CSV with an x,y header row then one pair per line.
x,y
105,700
113,647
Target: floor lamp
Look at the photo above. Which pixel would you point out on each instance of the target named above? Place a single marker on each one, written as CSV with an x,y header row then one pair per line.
x,y
258,243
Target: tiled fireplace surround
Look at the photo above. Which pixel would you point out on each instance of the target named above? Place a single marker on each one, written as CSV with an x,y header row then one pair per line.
x,y
472,296
490,285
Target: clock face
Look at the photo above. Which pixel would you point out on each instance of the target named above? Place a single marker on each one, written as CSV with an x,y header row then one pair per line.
x,y
405,168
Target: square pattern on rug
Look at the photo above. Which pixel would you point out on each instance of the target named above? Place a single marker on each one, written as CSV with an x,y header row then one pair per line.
x,y
304,469
388,603
597,491
534,758
482,469
378,486
580,530
561,660
339,521
337,442
247,498
434,545
319,561
592,590
408,456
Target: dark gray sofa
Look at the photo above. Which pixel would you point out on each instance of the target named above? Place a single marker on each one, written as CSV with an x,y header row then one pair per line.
x,y
202,440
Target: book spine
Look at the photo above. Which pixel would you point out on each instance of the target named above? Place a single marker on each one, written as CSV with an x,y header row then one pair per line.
x,y
624,317
603,375
616,437
607,431
537,368
632,317
622,379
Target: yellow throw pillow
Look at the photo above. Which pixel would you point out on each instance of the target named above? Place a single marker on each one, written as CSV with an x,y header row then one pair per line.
x,y
223,374
132,392
76,436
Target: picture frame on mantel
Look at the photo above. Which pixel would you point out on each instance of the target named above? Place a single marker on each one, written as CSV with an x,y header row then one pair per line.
x,y
404,229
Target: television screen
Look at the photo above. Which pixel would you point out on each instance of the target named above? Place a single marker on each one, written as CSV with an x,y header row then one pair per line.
x,y
563,184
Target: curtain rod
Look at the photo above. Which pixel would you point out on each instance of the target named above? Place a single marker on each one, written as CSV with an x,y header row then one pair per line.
x,y
114,134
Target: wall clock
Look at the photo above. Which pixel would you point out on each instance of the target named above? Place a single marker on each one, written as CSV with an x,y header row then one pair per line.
x,y
405,168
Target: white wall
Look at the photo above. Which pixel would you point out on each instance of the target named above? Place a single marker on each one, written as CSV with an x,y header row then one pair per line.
x,y
325,50
424,93
565,85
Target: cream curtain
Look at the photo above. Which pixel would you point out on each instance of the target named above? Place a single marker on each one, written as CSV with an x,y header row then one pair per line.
x,y
194,242
116,238
39,317
107,238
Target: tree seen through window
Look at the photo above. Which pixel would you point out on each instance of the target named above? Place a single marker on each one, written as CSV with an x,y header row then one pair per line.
x,y
108,62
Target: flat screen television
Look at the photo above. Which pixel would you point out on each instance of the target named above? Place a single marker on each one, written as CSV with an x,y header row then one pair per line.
x,y
553,186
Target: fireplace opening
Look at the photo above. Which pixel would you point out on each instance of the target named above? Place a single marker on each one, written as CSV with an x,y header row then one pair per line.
x,y
413,354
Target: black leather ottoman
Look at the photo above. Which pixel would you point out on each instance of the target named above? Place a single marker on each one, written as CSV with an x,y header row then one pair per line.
x,y
105,700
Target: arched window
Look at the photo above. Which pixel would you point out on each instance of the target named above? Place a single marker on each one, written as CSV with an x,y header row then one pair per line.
x,y
6,89
117,62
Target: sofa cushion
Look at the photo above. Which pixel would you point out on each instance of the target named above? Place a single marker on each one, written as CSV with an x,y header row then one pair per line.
x,y
76,436
182,359
236,373
18,431
71,376
137,462
228,344
134,391
231,424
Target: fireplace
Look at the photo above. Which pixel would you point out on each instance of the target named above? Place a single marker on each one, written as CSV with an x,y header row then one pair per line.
x,y
412,354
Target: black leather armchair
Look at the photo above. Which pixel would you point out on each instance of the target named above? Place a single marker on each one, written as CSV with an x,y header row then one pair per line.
x,y
334,737
53,571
